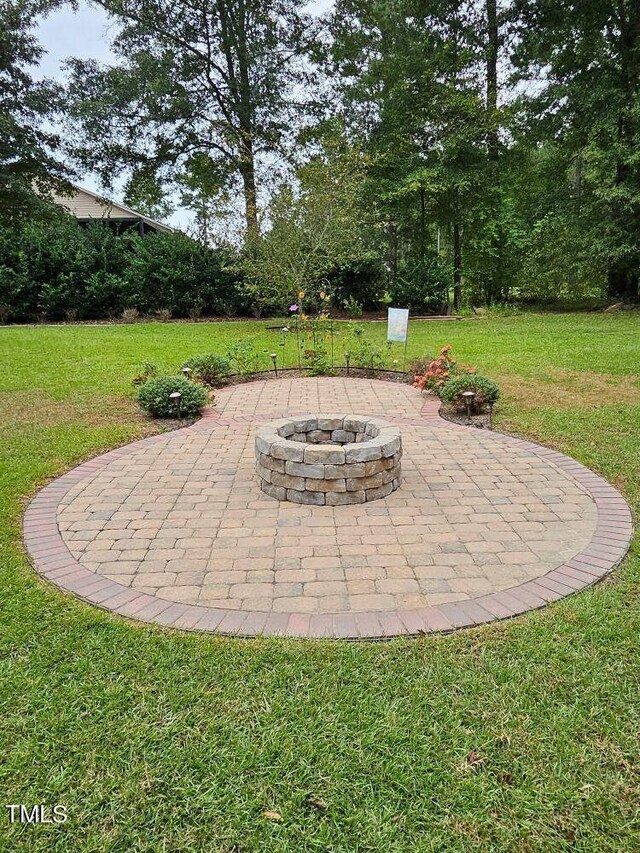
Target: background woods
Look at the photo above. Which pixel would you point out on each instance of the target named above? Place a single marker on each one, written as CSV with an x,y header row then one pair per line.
x,y
435,154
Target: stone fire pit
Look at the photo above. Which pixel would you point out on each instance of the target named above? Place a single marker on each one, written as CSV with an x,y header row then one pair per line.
x,y
328,459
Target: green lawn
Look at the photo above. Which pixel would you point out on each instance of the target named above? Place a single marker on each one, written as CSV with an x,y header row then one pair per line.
x,y
160,741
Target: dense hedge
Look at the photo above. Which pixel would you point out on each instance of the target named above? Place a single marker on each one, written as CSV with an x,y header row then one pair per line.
x,y
58,270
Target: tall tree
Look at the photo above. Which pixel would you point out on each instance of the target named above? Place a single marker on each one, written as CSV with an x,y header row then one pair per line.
x,y
29,168
325,224
492,50
411,74
586,56
216,80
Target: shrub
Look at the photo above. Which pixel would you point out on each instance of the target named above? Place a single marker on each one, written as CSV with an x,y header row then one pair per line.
x,y
364,353
130,315
421,285
243,357
154,397
208,368
149,371
360,282
180,275
432,375
352,307
51,268
486,391
318,361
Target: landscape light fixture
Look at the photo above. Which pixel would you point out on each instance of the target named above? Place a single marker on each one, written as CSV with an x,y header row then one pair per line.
x,y
274,359
187,372
347,358
175,396
468,399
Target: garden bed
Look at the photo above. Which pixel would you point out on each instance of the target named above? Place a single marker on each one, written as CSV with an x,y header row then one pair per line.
x,y
482,421
293,372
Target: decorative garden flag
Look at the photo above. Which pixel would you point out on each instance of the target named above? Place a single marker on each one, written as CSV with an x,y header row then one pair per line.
x,y
397,324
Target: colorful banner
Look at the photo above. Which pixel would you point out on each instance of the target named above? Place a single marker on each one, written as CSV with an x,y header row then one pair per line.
x,y
398,324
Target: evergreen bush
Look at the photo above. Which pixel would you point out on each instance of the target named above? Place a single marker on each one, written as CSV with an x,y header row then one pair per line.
x,y
486,392
154,397
208,368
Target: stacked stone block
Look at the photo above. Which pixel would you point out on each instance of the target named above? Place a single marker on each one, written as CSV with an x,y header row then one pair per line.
x,y
328,459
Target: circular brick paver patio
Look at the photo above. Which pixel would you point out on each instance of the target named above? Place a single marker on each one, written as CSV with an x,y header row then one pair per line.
x,y
173,529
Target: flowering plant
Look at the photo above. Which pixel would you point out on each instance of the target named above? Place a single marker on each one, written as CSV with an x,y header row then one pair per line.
x,y
439,370
314,333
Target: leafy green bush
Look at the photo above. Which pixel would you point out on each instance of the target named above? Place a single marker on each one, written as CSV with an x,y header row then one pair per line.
x,y
243,357
421,285
486,391
360,282
172,272
149,371
352,307
57,269
154,397
318,361
208,368
364,353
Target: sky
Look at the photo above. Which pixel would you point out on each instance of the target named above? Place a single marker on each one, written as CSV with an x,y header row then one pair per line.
x,y
85,33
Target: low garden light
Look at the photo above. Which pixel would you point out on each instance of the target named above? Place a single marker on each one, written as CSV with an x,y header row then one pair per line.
x,y
274,359
347,358
490,408
468,397
175,396
186,372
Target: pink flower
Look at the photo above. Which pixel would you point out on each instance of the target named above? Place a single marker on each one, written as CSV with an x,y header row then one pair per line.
x,y
293,307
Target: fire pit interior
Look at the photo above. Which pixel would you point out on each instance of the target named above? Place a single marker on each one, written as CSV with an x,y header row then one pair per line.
x,y
328,459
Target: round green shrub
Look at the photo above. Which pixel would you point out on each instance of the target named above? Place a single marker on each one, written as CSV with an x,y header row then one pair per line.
x,y
154,397
486,391
208,368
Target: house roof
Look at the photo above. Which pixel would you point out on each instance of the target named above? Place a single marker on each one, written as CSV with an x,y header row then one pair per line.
x,y
86,205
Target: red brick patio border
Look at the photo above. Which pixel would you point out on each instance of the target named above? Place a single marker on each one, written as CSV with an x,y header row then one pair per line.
x,y
53,561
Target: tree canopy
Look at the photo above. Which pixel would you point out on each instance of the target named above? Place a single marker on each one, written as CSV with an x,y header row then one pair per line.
x,y
459,151
29,168
202,91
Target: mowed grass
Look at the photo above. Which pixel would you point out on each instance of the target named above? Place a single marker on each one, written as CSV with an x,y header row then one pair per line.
x,y
519,736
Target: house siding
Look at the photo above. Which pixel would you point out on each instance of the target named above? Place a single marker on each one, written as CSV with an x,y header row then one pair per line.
x,y
84,206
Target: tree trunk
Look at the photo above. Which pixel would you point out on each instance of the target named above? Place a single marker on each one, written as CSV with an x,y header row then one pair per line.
x,y
492,79
393,240
423,225
622,278
457,267
492,286
622,283
248,173
235,28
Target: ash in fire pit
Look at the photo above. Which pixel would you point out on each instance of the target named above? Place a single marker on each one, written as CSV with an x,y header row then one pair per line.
x,y
328,459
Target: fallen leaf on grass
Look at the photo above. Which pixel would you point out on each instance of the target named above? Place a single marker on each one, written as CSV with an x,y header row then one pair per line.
x,y
315,802
472,762
272,815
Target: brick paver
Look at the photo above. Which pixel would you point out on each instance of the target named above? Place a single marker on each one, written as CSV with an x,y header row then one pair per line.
x,y
174,529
